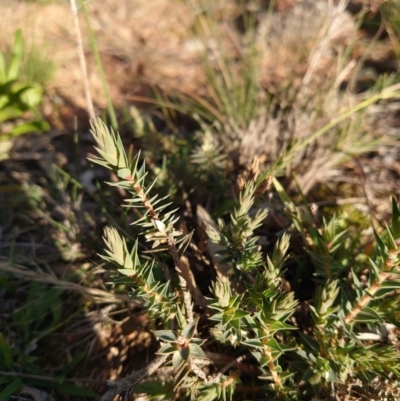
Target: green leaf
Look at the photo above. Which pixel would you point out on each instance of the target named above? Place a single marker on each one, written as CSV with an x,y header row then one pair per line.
x,y
375,268
388,285
381,245
128,273
3,71
189,330
393,242
239,314
274,345
125,280
310,343
184,353
281,191
395,219
167,349
253,342
367,315
32,95
226,318
13,70
11,389
196,351
357,285
6,353
10,113
166,335
29,126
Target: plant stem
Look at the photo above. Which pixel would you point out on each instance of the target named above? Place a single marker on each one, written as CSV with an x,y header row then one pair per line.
x,y
96,55
82,60
390,266
363,302
271,366
171,243
187,298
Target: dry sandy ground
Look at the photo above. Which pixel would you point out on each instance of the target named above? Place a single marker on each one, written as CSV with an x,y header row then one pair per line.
x,y
154,42
136,39
148,44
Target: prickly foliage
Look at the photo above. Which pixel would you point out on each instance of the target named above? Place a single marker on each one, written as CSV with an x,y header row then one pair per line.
x,y
248,328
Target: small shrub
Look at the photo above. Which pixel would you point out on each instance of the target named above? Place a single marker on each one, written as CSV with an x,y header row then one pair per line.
x,y
245,338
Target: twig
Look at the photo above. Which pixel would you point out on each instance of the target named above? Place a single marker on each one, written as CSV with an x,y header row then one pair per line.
x,y
123,386
187,273
231,364
196,369
187,298
227,363
82,60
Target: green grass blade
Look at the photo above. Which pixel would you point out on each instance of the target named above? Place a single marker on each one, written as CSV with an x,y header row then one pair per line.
x,y
16,56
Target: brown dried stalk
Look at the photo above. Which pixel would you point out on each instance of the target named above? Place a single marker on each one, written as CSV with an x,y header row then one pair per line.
x,y
123,386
